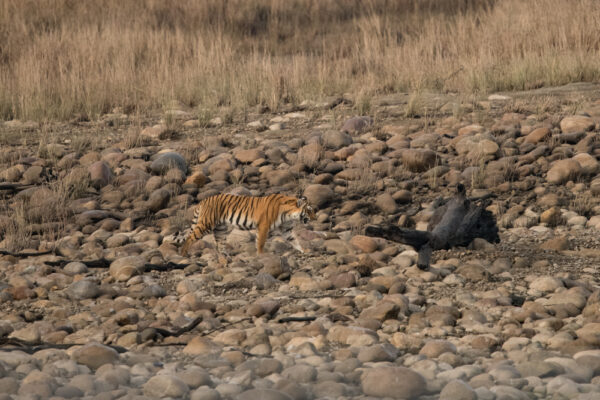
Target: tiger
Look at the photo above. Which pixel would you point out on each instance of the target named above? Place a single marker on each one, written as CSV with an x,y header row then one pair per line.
x,y
246,212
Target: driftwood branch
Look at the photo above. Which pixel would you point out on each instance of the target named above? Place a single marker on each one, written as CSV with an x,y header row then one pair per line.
x,y
13,187
5,252
34,347
167,333
105,263
457,223
296,319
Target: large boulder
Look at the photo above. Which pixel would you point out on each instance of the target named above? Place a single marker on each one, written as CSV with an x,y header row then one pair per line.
x,y
166,161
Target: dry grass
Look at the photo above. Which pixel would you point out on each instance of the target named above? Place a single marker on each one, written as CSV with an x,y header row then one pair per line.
x,y
25,220
365,185
583,204
60,58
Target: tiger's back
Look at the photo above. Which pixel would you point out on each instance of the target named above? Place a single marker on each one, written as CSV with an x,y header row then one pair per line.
x,y
246,212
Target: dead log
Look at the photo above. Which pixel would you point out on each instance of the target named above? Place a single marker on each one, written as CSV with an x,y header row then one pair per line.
x,y
456,223
13,187
105,263
24,254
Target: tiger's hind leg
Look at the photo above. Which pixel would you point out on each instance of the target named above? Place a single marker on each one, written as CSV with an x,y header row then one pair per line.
x,y
222,256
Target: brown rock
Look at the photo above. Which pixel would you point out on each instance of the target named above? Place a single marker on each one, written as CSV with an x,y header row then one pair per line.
x,y
470,129
344,280
279,177
335,139
559,243
153,132
33,174
247,156
201,345
394,382
563,171
382,311
100,174
158,200
590,333
551,216
364,243
94,355
319,195
310,154
418,160
434,348
537,135
546,284
576,123
357,125
589,164
12,174
124,268
386,203
197,178
473,272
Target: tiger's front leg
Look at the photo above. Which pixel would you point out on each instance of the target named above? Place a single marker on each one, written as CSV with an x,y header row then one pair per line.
x,y
263,233
186,246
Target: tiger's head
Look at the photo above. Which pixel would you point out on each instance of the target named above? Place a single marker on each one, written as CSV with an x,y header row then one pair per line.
x,y
307,213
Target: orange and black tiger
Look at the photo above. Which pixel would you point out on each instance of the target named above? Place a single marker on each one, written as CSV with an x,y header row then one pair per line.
x,y
246,212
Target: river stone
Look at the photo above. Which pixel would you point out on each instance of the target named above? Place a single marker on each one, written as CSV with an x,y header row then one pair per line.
x,y
100,174
435,348
588,163
83,289
158,200
162,386
335,139
357,125
94,355
166,161
318,195
205,393
537,135
246,156
33,174
75,268
124,268
546,284
364,243
563,171
262,394
394,382
457,390
590,333
576,123
418,160
386,203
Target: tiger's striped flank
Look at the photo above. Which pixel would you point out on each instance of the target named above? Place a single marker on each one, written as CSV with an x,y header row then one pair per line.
x,y
246,212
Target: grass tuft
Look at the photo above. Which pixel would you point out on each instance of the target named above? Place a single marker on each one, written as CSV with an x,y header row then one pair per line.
x,y
62,58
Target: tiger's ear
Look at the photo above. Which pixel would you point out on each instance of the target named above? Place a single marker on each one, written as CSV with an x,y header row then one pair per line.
x,y
301,201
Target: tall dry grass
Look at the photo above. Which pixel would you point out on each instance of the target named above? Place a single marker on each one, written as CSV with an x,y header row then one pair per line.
x,y
64,57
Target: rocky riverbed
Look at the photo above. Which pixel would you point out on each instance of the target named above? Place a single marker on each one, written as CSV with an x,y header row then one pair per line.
x,y
96,302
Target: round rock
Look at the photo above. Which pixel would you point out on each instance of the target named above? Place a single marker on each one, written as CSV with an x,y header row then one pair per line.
x,y
457,390
318,195
563,171
166,161
100,174
162,386
124,268
83,289
94,355
394,382
262,394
